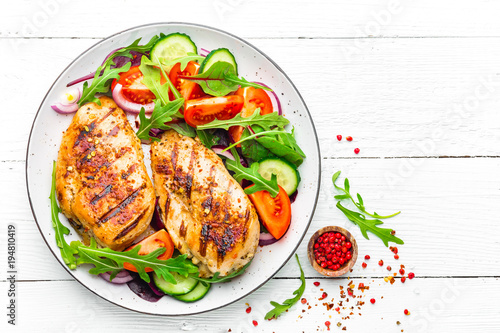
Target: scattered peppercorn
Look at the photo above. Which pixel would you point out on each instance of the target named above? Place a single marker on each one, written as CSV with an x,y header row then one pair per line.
x,y
356,151
249,309
381,263
255,323
393,232
407,312
411,275
327,324
364,265
339,137
348,138
372,301
367,257
316,284
402,271
389,268
303,301
396,256
403,279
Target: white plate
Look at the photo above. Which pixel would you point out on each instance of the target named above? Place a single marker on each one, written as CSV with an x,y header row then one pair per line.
x,y
254,65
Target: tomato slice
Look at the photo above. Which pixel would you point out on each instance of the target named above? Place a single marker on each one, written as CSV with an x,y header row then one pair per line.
x,y
133,89
254,98
188,89
204,110
159,239
274,213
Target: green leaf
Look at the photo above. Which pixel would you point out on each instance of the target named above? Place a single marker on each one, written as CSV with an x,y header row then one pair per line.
x,y
160,116
183,129
287,304
67,252
207,138
251,148
265,121
220,79
282,144
125,51
252,174
152,79
370,225
105,260
242,82
360,204
183,60
100,84
217,279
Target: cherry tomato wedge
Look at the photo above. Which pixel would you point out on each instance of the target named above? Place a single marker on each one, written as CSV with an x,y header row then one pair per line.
x,y
188,89
133,89
204,110
254,98
274,213
159,239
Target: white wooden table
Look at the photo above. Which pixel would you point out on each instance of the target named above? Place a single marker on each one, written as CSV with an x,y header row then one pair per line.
x,y
416,83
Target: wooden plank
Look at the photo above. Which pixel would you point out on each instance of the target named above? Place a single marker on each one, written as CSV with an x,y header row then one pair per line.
x,y
440,209
257,18
395,98
435,305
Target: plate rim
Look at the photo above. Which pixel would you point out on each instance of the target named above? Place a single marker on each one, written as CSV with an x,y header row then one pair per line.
x,y
192,25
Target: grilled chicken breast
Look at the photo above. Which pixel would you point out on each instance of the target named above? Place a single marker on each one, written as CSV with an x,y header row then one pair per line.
x,y
204,209
102,184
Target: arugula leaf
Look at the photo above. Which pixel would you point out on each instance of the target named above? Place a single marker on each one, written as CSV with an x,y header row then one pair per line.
x,y
207,138
183,60
287,304
161,115
266,121
106,259
217,279
252,174
156,63
251,148
100,84
370,225
67,252
152,78
125,51
360,204
220,79
183,128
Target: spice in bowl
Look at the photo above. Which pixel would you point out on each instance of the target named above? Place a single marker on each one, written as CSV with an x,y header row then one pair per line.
x,y
332,251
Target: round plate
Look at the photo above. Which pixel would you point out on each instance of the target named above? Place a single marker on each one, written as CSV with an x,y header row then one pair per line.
x,y
46,135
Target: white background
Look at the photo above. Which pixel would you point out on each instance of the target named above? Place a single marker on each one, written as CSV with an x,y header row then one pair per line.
x,y
416,83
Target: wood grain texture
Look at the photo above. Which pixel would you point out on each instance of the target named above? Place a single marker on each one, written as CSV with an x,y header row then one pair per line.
x,y
258,18
440,208
399,97
436,305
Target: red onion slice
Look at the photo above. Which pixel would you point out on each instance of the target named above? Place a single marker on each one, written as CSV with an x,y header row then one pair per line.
x,y
129,106
120,278
266,239
218,149
278,103
64,109
156,221
142,289
204,52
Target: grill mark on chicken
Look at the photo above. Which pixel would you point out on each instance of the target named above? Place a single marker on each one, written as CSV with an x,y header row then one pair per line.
x,y
130,227
129,171
82,136
113,212
173,157
185,180
111,110
101,195
114,131
182,230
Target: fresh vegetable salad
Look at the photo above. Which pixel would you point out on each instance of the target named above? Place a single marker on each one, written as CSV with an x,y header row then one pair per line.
x,y
171,84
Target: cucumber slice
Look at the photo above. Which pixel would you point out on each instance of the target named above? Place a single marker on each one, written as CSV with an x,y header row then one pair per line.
x,y
184,285
287,175
222,54
173,46
196,294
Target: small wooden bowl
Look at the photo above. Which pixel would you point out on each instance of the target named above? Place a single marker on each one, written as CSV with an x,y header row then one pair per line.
x,y
344,268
